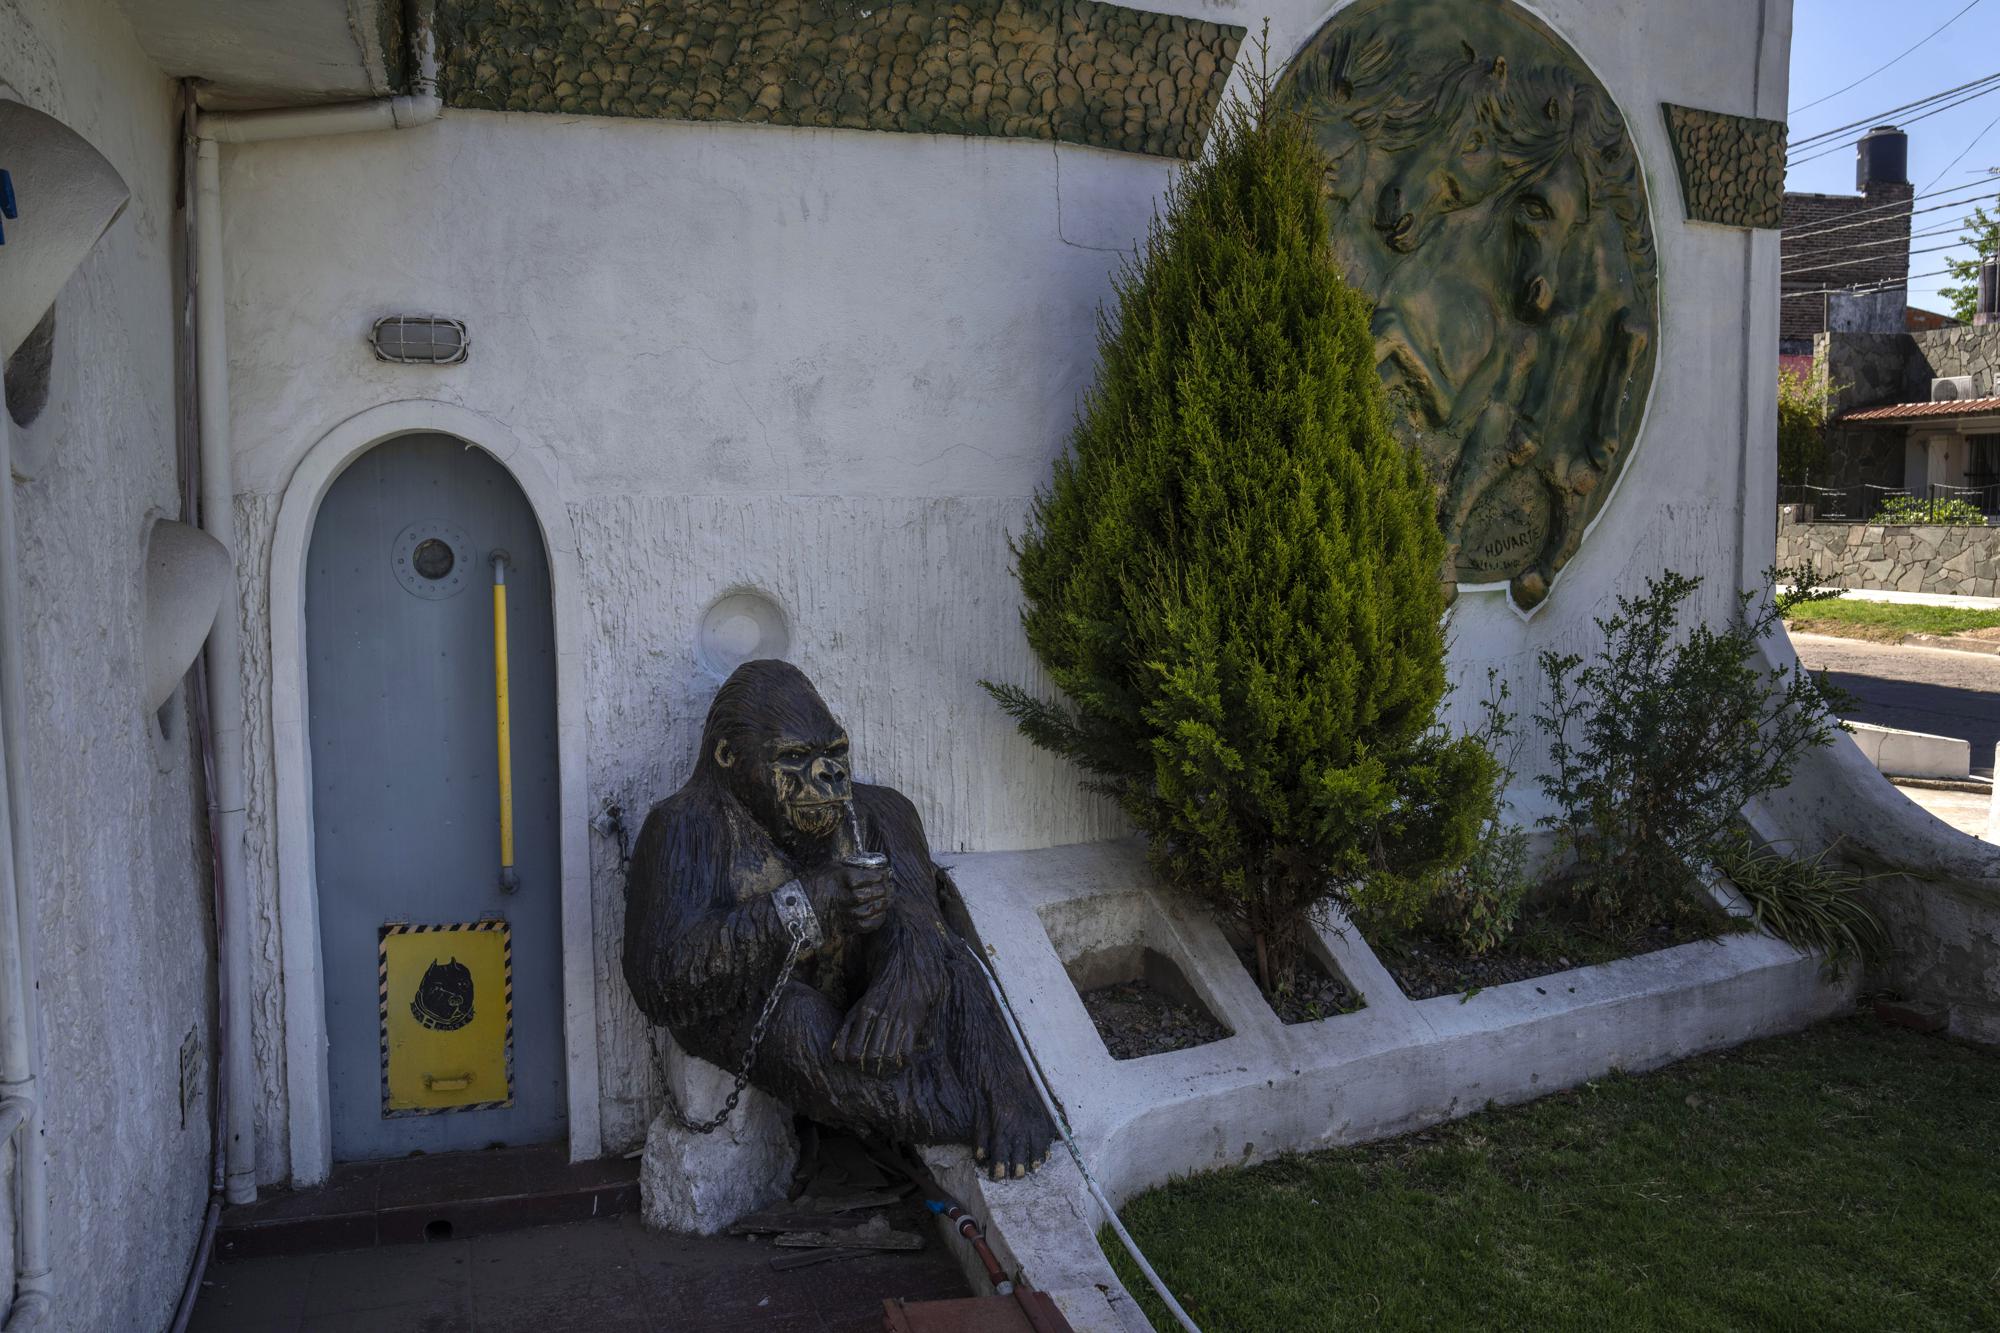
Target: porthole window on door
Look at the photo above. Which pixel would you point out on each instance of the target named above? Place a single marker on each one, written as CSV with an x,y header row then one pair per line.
x,y
432,560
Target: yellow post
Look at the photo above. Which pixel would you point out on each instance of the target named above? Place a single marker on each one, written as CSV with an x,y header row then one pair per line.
x,y
503,726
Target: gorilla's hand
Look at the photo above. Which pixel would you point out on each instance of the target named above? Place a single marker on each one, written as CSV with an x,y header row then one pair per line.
x,y
854,896
881,1029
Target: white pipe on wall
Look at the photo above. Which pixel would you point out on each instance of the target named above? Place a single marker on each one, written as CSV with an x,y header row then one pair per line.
x,y
388,113
20,1036
225,674
218,519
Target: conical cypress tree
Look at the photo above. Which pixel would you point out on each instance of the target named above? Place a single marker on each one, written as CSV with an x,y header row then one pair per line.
x,y
1234,576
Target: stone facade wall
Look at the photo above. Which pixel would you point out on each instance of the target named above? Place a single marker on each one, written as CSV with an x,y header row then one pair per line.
x,y
1917,557
1965,350
1862,455
1867,369
1872,246
1076,71
1732,168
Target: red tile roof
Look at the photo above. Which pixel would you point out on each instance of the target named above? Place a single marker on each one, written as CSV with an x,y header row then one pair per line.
x,y
1966,407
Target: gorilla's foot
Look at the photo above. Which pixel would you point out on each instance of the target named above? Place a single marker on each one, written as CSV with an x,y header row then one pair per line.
x,y
1012,1134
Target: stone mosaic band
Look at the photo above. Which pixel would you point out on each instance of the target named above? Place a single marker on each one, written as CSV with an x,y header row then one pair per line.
x,y
1732,168
1070,70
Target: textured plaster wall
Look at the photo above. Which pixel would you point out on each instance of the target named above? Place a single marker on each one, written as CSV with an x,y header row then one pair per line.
x,y
122,923
833,365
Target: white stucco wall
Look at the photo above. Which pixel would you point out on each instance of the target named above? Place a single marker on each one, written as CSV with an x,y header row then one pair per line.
x,y
833,365
122,931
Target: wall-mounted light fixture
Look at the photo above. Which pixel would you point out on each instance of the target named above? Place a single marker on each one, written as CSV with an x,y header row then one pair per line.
x,y
419,340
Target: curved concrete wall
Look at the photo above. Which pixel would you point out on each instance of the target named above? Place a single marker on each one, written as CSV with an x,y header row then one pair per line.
x,y
834,365
121,927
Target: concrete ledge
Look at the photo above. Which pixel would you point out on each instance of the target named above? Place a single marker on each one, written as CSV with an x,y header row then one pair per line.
x,y
1269,1088
1912,754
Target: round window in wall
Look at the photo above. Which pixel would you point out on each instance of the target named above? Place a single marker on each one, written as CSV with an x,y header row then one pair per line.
x,y
741,626
432,560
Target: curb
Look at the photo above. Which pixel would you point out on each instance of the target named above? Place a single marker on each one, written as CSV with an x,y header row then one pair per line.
x,y
1973,785
1953,643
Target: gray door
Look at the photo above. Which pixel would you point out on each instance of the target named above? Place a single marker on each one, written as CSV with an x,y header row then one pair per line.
x,y
406,805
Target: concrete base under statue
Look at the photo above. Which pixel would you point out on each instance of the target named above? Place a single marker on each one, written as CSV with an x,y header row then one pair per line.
x,y
700,1183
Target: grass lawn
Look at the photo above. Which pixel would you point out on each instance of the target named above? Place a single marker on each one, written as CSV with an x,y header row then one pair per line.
x,y
1886,621
1844,1178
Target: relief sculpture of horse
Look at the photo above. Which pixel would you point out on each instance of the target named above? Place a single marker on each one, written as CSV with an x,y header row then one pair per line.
x,y
1485,194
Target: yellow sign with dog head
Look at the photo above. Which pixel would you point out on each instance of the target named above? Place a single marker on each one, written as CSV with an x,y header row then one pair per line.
x,y
447,1002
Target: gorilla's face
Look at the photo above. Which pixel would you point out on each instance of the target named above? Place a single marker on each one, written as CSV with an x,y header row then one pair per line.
x,y
779,751
806,781
793,778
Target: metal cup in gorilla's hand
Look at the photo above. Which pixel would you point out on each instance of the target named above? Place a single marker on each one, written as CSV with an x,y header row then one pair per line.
x,y
868,877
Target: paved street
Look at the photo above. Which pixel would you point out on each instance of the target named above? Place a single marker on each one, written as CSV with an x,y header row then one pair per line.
x,y
1936,690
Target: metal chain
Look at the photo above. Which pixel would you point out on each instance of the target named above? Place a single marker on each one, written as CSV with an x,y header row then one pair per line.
x,y
797,931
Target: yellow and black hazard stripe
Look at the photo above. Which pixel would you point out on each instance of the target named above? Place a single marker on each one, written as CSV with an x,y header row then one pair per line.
x,y
382,1005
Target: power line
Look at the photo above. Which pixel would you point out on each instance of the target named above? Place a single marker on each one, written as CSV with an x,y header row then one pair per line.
x,y
1990,88
1835,252
1977,199
1881,117
1865,259
1866,288
1873,72
1863,217
1943,229
1963,151
1841,247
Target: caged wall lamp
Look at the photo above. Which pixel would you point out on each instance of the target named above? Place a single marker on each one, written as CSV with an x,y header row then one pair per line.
x,y
419,340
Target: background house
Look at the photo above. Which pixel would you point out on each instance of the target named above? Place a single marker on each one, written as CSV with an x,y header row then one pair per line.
x,y
1846,257
1910,412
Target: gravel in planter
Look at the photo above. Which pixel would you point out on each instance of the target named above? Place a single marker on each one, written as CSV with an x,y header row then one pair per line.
x,y
1136,1020
1309,994
1425,966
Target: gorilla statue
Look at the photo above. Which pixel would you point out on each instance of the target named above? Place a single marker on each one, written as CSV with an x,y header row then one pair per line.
x,y
885,1025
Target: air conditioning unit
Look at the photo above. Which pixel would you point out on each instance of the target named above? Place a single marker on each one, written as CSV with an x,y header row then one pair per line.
x,y
1952,389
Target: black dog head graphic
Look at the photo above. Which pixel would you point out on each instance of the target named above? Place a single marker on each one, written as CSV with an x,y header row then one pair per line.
x,y
444,997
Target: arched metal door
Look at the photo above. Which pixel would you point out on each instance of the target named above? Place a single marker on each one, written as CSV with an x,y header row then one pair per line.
x,y
443,988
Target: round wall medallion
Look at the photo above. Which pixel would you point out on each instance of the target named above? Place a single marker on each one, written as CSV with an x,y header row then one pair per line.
x,y
433,560
741,627
1486,195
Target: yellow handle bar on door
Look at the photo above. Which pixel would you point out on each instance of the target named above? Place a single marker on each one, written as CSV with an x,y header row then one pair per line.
x,y
510,879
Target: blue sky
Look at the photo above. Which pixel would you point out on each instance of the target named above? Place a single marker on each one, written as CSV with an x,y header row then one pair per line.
x,y
1835,42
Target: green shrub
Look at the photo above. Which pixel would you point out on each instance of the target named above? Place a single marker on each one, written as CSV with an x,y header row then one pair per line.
x,y
1234,575
1910,509
1807,902
1803,407
1659,739
1476,905
1801,585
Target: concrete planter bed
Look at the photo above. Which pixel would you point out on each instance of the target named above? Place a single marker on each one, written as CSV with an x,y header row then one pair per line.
x,y
1271,1088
